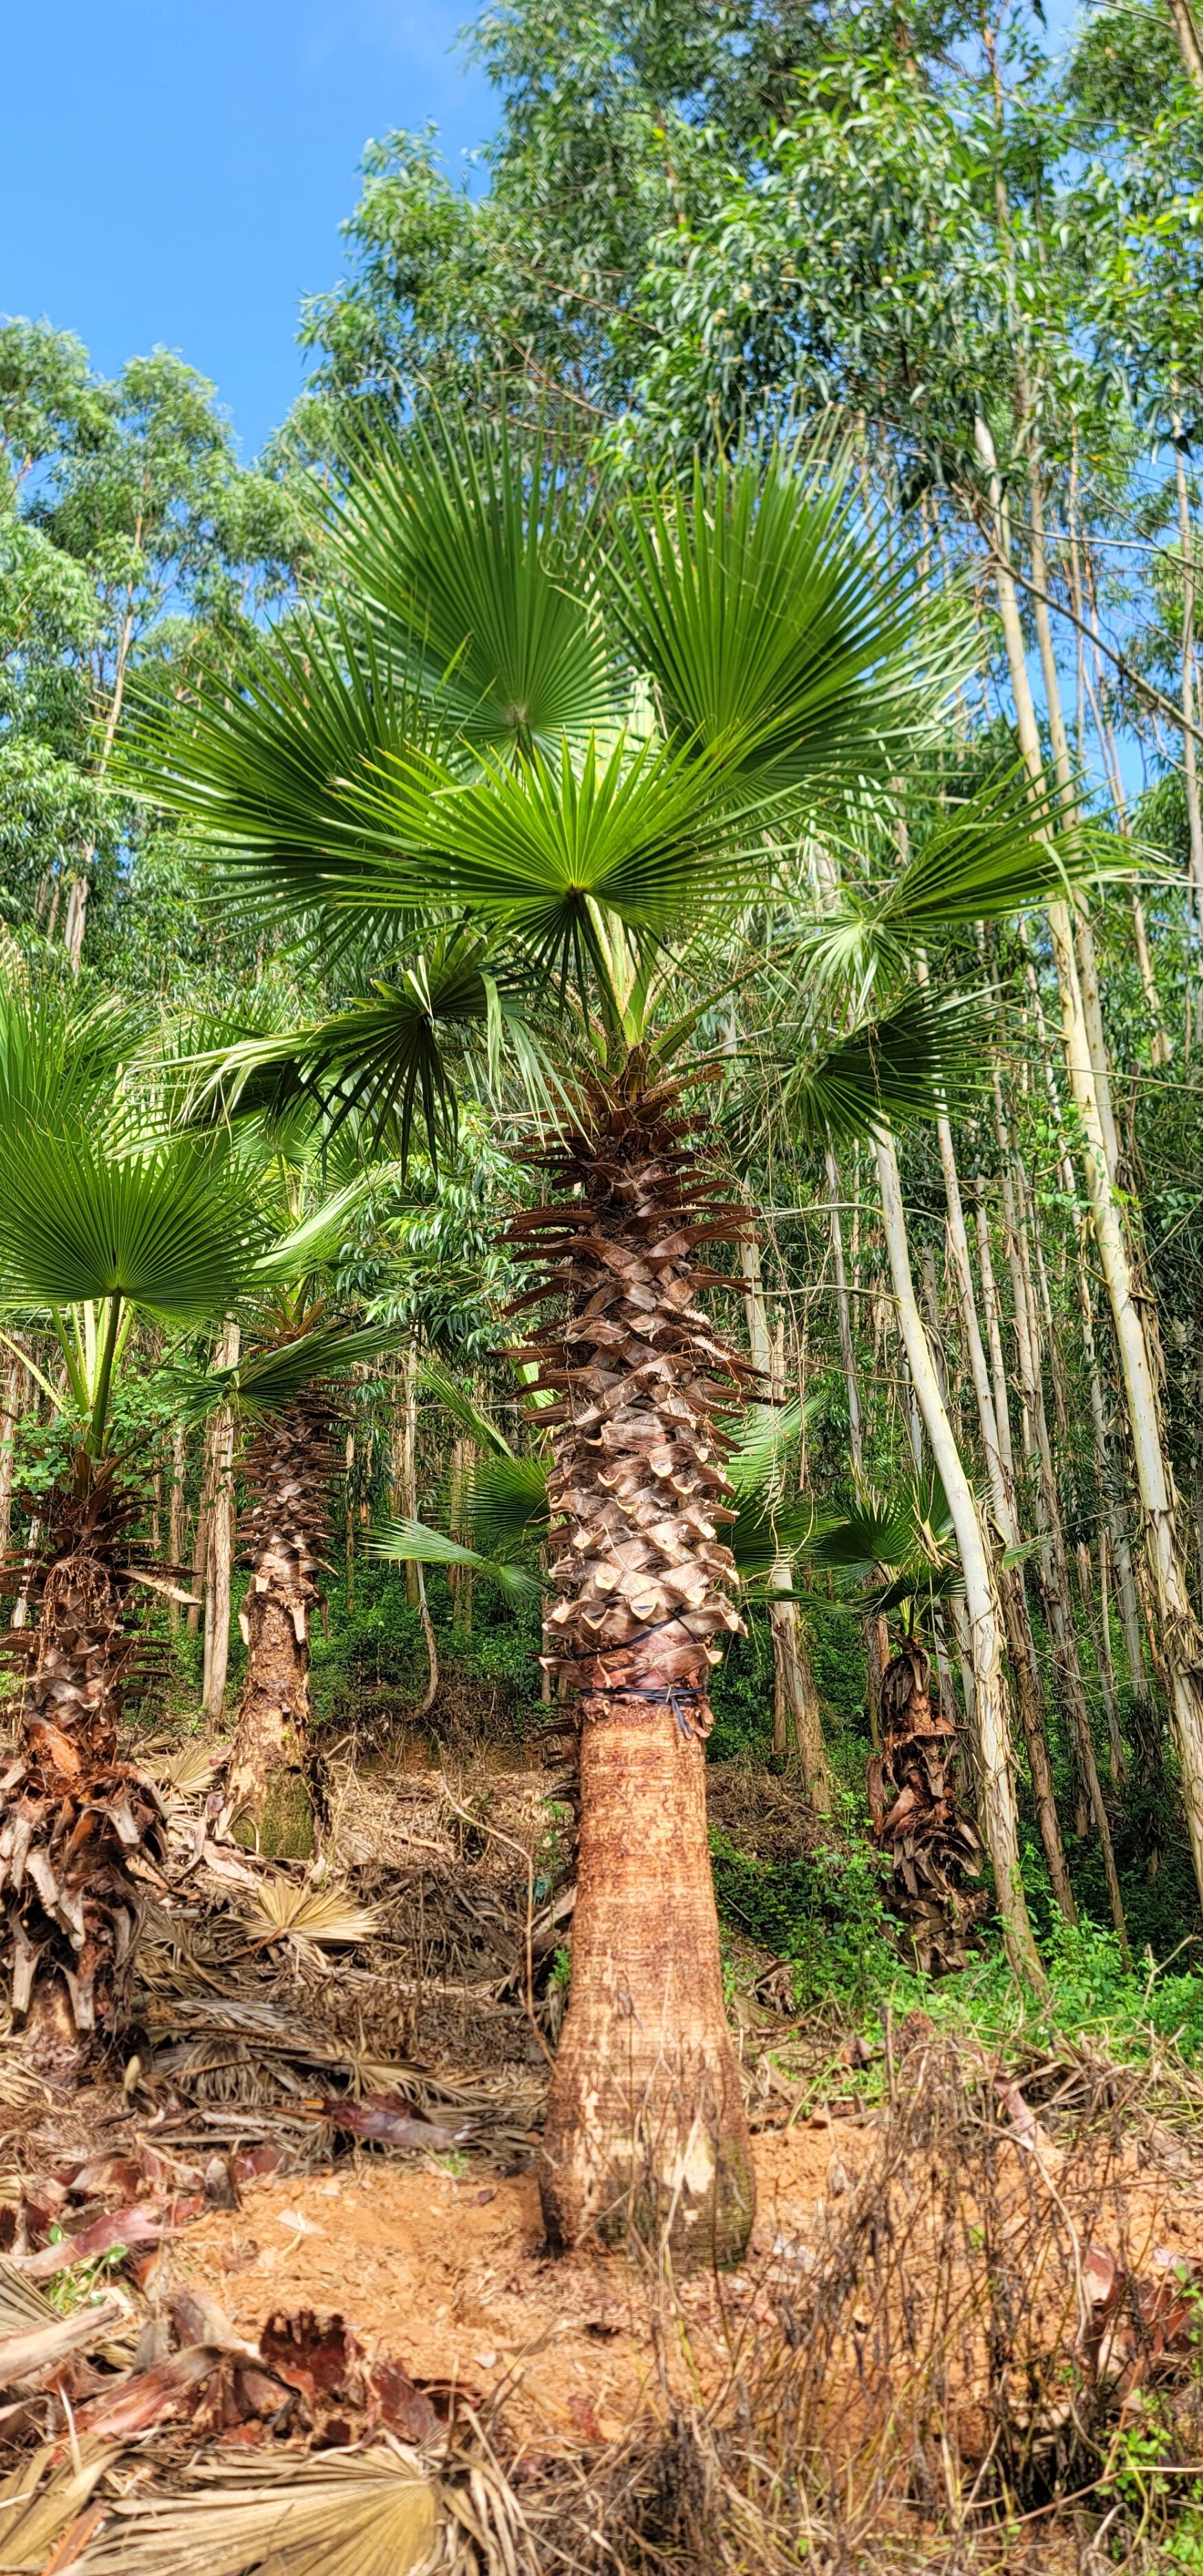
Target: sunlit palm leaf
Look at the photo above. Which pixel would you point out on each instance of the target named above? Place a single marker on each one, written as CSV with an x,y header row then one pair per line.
x,y
326,1915
411,1543
1003,850
59,1057
772,626
475,553
367,2514
279,774
171,1227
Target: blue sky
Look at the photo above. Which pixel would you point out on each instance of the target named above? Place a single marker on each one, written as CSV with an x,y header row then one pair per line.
x,y
176,170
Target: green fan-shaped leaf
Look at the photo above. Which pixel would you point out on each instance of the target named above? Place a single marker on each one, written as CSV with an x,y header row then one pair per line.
x,y
930,1055
1003,850
411,1543
267,1380
772,626
473,552
504,1504
280,774
171,1225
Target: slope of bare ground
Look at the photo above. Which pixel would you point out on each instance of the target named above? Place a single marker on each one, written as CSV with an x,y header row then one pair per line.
x,y
958,2304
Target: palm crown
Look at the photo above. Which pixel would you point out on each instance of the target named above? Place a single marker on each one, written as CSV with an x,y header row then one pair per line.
x,y
531,750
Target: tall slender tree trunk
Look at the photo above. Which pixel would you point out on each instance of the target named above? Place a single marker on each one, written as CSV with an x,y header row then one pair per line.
x,y
1186,31
1179,1638
876,1635
220,1545
991,1716
1011,1591
796,1711
645,2125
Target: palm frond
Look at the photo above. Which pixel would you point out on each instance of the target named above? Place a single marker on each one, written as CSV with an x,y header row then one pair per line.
x,y
770,626
904,1538
411,1543
504,1504
767,1539
326,1915
366,2513
453,1396
475,554
40,2497
185,1768
171,1225
1003,850
266,1380
279,774
928,1057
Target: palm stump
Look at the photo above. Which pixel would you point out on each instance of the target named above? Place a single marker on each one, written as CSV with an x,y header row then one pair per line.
x,y
645,2120
284,1532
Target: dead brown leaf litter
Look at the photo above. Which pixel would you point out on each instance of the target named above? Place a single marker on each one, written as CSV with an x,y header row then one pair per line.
x,y
955,2305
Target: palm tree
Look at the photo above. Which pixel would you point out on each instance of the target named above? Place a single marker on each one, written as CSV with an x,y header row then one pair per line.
x,y
544,759
105,1218
283,1390
900,1549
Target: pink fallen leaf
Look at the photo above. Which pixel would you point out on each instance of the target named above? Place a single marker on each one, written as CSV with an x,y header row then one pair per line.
x,y
140,2224
142,2400
375,2118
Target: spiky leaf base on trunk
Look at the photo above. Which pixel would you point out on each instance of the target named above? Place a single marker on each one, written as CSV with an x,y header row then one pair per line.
x,y
72,1813
285,1533
645,2120
933,1848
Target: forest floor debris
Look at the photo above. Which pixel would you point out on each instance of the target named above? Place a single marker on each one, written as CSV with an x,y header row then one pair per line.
x,y
306,2231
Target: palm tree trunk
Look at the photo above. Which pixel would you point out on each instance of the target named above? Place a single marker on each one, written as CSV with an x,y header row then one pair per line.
x,y
645,2122
71,1804
1000,1820
285,1532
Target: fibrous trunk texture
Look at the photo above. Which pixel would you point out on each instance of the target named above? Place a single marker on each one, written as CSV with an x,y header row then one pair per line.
x,y
284,1532
645,2122
72,1812
933,1848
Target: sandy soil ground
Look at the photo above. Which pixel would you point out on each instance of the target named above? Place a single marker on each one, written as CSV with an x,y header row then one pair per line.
x,y
447,2274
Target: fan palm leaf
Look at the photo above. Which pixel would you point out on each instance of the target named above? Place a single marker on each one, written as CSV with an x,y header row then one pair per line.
x,y
761,612
928,1056
170,1226
405,1542
475,556
370,2513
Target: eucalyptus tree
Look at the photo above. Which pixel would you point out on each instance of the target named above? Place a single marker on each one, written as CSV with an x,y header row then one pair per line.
x,y
545,759
128,525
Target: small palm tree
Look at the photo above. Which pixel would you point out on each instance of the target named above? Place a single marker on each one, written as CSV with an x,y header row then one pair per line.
x,y
547,766
900,1550
284,1392
105,1219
